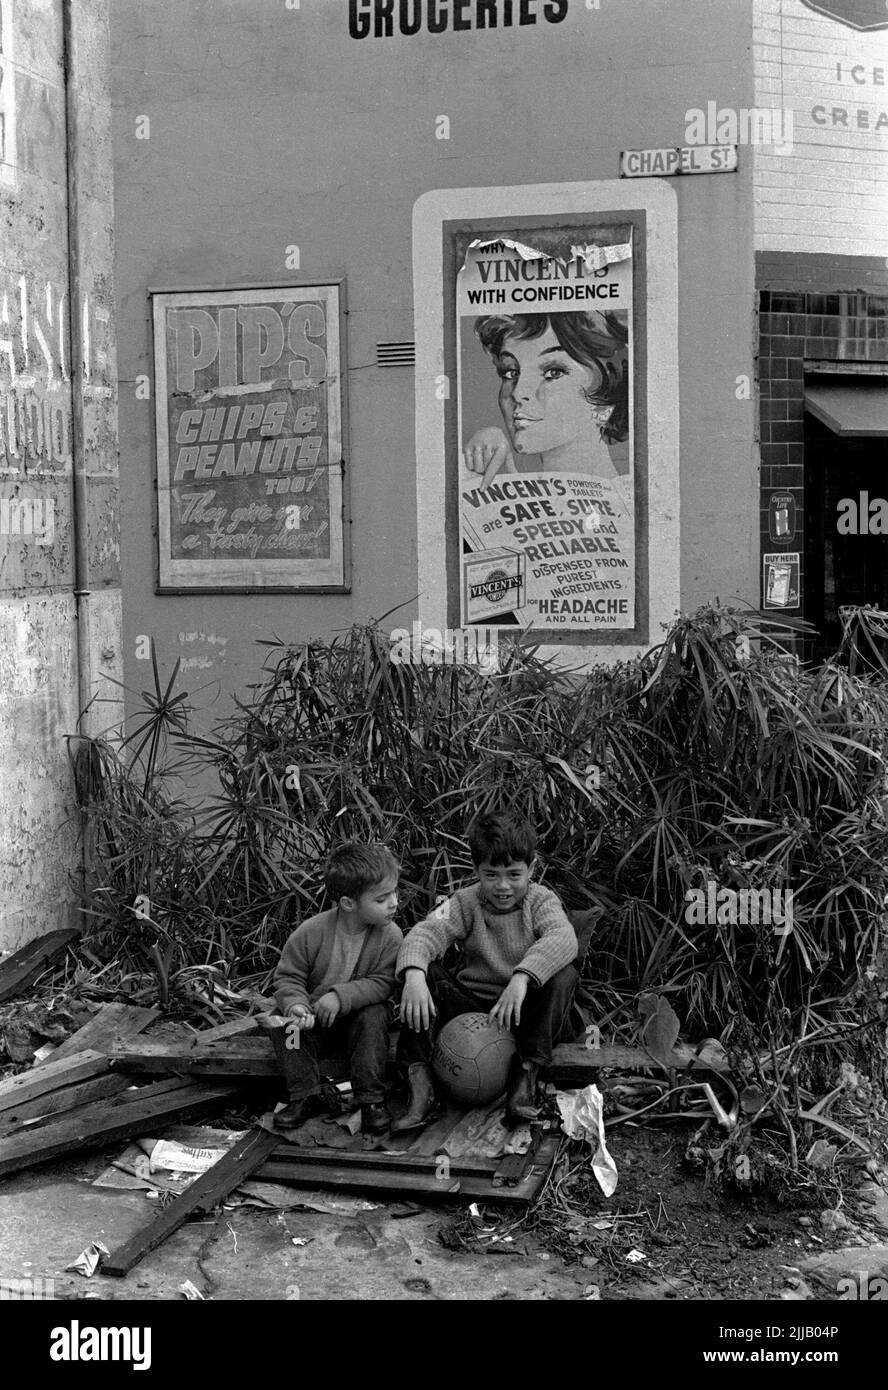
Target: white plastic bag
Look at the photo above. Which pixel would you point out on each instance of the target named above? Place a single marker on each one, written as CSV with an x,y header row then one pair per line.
x,y
582,1117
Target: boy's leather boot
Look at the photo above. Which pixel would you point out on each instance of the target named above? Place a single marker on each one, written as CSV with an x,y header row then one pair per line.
x,y
521,1106
422,1104
299,1110
375,1118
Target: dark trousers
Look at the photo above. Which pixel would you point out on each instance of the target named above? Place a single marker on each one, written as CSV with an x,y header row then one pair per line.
x,y
544,1015
361,1036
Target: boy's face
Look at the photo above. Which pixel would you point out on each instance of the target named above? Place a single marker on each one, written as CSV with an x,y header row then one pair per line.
x,y
378,903
504,885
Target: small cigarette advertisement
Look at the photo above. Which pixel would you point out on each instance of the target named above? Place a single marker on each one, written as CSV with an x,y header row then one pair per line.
x,y
547,478
781,579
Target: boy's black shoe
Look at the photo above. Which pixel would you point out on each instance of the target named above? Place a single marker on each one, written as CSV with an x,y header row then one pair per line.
x,y
375,1118
422,1104
305,1108
521,1106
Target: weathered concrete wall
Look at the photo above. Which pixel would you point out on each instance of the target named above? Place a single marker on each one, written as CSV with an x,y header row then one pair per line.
x,y
270,125
91,223
54,417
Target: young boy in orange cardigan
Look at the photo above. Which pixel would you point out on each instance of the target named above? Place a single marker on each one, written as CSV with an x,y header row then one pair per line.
x,y
518,949
335,974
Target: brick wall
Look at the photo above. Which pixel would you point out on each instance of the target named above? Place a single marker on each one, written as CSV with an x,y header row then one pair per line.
x,y
814,311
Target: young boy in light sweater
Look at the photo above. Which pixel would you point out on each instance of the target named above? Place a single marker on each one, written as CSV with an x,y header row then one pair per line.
x,y
335,974
516,965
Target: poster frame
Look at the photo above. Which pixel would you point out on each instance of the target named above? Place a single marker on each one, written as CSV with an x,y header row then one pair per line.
x,y
458,236
433,212
167,580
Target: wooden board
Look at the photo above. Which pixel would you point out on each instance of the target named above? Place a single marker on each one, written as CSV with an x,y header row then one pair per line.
x,y
51,1076
375,1176
573,1064
321,1173
239,1057
202,1195
379,1158
129,1114
225,1030
451,1151
63,1101
112,1023
21,969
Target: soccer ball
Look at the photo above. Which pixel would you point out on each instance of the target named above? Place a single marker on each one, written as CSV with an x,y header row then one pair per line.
x,y
472,1057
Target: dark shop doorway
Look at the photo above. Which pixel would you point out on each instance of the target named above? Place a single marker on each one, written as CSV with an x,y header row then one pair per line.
x,y
846,554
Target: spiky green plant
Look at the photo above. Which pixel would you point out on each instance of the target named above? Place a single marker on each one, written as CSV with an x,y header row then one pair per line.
x,y
714,758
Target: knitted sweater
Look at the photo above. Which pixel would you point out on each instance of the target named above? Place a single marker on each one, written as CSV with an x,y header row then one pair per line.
x,y
536,938
303,966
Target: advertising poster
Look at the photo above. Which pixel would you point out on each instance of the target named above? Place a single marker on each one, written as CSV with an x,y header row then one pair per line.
x,y
547,477
249,438
781,579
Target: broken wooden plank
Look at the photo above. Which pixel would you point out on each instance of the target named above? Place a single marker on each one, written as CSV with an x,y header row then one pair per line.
x,y
514,1167
163,1087
131,1113
389,1181
111,1025
375,1158
574,1064
241,1057
387,1173
528,1187
323,1174
51,1076
21,969
224,1030
63,1101
203,1194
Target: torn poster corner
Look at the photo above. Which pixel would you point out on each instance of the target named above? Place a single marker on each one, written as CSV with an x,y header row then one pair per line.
x,y
504,243
597,257
593,255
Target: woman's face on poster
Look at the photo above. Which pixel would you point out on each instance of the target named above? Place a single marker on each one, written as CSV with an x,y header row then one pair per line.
x,y
541,394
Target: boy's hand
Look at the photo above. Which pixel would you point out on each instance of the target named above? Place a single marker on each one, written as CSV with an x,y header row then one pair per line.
x,y
327,1008
417,1006
301,1015
507,1009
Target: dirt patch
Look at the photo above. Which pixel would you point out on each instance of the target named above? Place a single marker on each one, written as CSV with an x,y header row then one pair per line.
x,y
695,1242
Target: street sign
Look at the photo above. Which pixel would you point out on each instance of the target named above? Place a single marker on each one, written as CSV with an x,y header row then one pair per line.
x,y
683,159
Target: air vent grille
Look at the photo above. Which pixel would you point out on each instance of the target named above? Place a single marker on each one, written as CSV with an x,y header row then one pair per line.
x,y
395,354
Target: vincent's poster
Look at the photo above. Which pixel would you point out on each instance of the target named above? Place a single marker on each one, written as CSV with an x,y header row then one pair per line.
x,y
547,502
